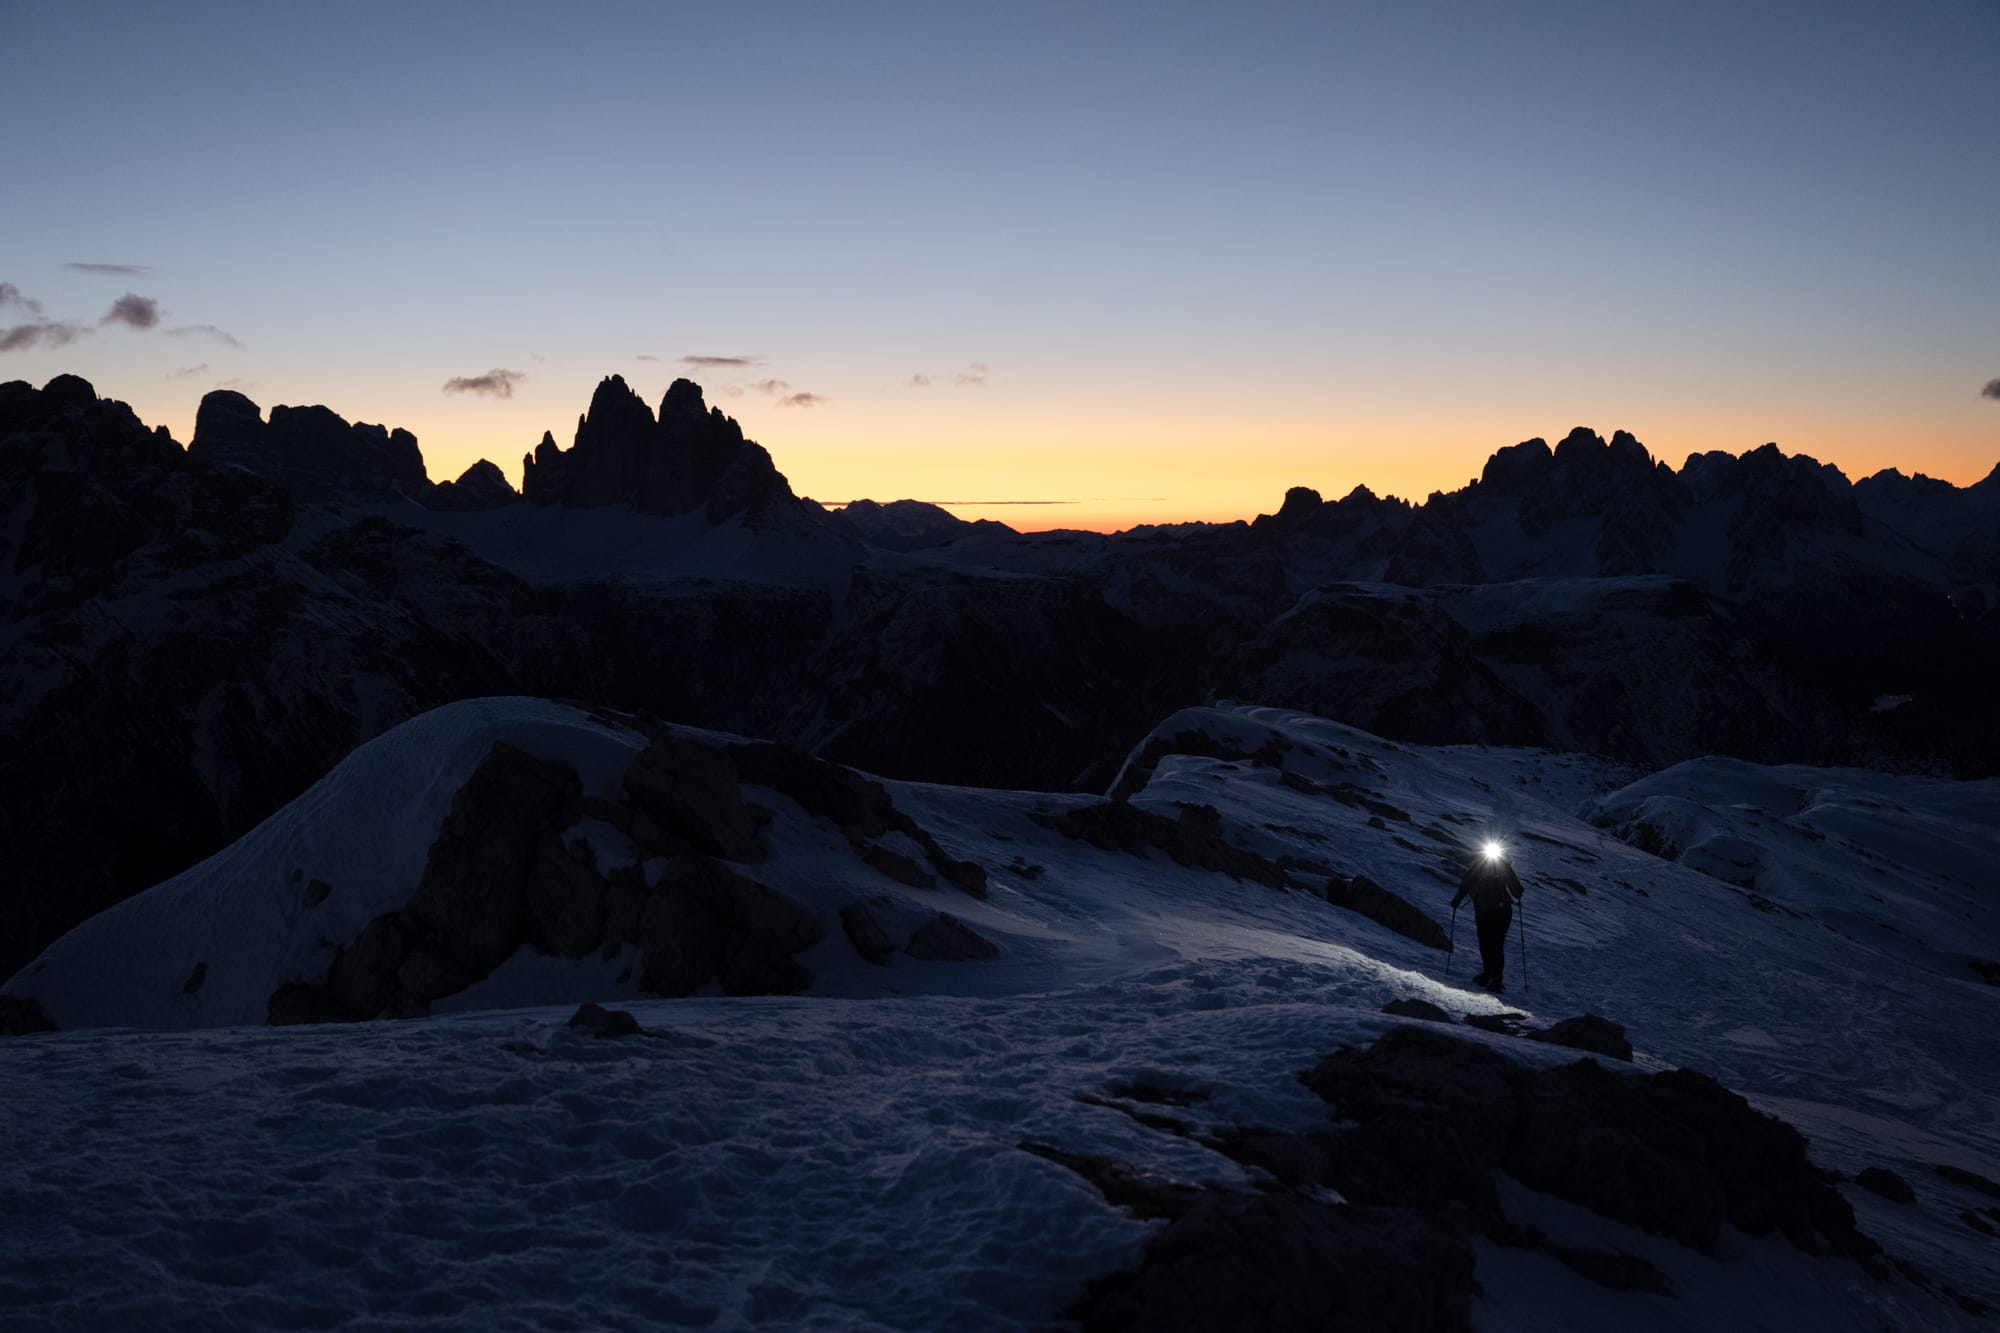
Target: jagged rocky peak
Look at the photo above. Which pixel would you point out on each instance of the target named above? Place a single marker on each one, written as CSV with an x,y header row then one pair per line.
x,y
65,426
312,451
481,486
690,457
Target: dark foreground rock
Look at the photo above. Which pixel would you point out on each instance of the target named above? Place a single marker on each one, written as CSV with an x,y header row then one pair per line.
x,y
1588,1032
1369,1223
602,1022
1362,894
1881,1180
1281,1264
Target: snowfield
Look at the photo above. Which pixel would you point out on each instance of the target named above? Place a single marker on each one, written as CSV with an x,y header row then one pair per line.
x,y
849,1157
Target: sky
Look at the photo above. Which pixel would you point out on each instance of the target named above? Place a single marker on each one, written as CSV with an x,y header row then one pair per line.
x,y
1132,263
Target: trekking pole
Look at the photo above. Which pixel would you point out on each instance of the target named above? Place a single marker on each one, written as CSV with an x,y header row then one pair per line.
x,y
1524,946
1453,947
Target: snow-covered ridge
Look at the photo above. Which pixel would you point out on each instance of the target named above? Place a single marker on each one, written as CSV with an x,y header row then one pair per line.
x,y
1845,1001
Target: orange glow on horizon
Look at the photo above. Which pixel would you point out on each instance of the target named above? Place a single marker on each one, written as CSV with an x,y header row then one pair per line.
x,y
1072,464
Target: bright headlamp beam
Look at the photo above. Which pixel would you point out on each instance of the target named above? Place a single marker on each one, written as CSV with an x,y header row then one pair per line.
x,y
1492,850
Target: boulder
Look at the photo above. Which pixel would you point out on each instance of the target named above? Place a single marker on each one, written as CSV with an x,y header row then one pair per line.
x,y
602,1022
1880,1180
1411,1007
1287,1265
865,933
1588,1032
944,938
1362,894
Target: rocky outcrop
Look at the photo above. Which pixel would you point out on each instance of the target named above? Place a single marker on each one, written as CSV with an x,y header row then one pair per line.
x,y
311,451
945,938
689,458
1675,1154
502,875
481,486
1363,895
1588,1032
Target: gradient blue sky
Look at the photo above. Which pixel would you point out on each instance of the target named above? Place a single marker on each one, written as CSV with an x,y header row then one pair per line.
x,y
1164,260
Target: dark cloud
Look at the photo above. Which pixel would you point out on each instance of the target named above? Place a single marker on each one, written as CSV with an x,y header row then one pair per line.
x,y
1992,389
141,312
11,295
54,333
188,372
772,386
976,374
801,400
722,362
920,381
128,270
204,331
493,384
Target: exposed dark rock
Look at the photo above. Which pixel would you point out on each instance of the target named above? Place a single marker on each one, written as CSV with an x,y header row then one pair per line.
x,y
1971,1180
865,933
1588,1032
566,897
1411,1007
481,486
1284,1264
23,1014
1987,970
1506,1025
1160,1094
1193,839
1139,1192
704,923
1362,894
195,978
602,1022
895,865
1675,1153
691,790
1977,1223
316,892
944,938
1881,1180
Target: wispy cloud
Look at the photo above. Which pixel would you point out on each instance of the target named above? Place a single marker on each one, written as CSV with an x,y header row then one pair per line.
x,y
493,384
238,385
722,362
11,295
772,386
126,270
53,333
801,400
645,356
204,331
973,374
188,372
1992,389
141,312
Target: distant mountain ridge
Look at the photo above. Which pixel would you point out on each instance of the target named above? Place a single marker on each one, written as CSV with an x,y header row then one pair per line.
x,y
190,637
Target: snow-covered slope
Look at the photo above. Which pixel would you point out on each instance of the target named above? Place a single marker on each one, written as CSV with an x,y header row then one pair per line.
x,y
848,1157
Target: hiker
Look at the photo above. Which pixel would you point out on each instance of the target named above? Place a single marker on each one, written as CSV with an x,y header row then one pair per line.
x,y
1494,889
